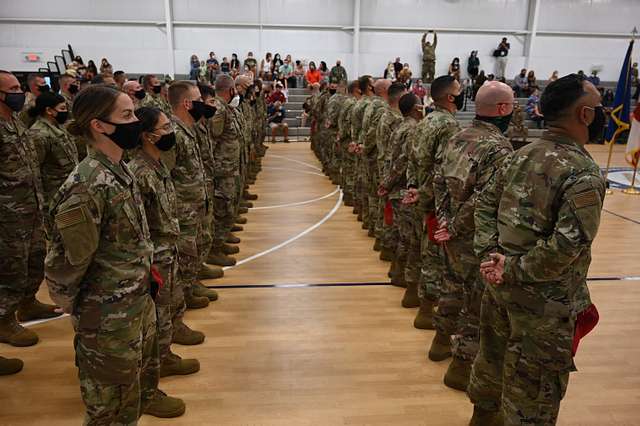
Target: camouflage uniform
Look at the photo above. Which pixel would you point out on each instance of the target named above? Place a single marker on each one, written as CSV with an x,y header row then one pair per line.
x,y
21,203
469,161
433,132
322,134
357,113
207,224
227,140
68,99
394,180
156,101
542,212
97,267
29,102
429,59
161,207
57,154
331,145
261,124
347,163
370,120
338,75
187,172
390,120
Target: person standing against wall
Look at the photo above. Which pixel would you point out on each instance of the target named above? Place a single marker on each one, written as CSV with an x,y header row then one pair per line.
x,y
501,54
429,57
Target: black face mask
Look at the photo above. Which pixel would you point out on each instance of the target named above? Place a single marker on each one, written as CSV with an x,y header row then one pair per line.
x,y
252,102
332,91
208,111
157,89
502,123
73,89
597,125
459,101
44,88
140,94
241,98
166,142
62,116
15,101
126,135
200,109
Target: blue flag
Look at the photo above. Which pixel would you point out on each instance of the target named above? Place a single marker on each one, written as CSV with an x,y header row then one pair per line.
x,y
622,104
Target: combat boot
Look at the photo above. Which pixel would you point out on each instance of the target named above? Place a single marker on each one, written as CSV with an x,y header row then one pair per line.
x,y
200,290
372,232
173,365
386,254
377,246
10,366
457,375
164,406
410,298
348,200
195,302
183,335
242,210
232,239
210,272
397,277
365,224
424,318
483,417
247,204
31,310
229,249
356,209
14,334
241,220
220,259
440,347
237,228
249,196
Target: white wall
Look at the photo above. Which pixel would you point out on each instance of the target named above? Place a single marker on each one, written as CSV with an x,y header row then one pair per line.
x,y
322,32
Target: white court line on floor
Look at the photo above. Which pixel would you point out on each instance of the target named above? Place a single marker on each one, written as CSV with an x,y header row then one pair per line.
x,y
295,161
298,203
292,170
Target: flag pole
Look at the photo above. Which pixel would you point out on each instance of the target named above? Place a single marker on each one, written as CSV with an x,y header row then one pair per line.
x,y
609,191
632,189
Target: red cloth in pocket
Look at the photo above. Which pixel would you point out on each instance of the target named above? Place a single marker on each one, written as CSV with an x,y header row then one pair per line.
x,y
431,222
388,214
585,322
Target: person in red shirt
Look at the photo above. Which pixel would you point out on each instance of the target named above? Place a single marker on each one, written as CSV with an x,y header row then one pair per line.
x,y
313,75
277,95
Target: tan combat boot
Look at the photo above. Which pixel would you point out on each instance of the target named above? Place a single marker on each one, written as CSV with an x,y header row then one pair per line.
x,y
457,375
210,272
247,204
242,210
232,239
386,254
10,366
183,335
377,246
200,290
237,228
249,196
164,406
31,310
220,259
240,220
173,365
424,318
229,249
195,302
14,334
440,347
410,298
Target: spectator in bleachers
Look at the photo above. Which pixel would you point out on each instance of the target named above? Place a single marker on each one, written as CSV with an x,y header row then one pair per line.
x,y
594,79
251,63
389,72
533,108
91,70
299,73
501,54
276,117
120,77
473,66
276,64
338,74
324,71
286,73
520,83
532,83
607,98
105,67
454,68
313,75
477,84
419,90
277,95
235,65
225,66
554,76
397,67
202,72
265,67
194,67
213,67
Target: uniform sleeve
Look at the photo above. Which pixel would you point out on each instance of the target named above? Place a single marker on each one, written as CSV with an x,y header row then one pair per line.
x,y
576,227
413,151
398,159
218,122
40,143
75,239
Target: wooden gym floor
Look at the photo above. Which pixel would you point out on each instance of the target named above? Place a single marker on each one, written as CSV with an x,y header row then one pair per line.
x,y
279,352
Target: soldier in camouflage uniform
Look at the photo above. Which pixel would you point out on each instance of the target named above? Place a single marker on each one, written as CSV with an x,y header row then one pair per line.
x,y
227,140
338,75
347,157
246,117
21,236
334,105
433,132
68,89
361,199
389,121
319,114
188,174
309,109
429,57
368,143
261,113
160,204
394,183
98,268
535,224
153,87
468,161
37,86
